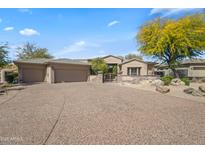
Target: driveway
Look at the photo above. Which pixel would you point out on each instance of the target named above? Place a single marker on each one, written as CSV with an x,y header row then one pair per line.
x,y
88,113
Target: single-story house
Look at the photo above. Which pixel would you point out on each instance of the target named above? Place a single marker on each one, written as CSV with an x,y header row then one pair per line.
x,y
67,70
131,67
194,68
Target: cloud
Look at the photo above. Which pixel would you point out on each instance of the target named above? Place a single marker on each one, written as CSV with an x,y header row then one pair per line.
x,y
8,28
29,32
78,47
24,10
174,11
112,23
0,20
75,47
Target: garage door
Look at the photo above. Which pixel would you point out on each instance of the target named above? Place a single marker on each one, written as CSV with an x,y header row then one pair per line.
x,y
63,75
33,75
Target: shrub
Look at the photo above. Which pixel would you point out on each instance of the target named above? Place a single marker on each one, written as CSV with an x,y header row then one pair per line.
x,y
166,79
114,70
12,77
186,81
99,65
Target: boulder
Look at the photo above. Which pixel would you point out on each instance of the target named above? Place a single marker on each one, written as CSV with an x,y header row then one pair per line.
x,y
202,89
157,82
197,93
177,82
194,92
162,89
189,90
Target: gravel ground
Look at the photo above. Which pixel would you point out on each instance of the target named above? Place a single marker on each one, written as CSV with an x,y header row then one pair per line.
x,y
177,91
88,113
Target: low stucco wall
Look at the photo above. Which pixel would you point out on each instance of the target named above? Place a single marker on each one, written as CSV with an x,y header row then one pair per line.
x,y
96,78
126,78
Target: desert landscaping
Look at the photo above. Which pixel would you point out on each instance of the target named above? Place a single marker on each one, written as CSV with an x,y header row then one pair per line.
x,y
195,91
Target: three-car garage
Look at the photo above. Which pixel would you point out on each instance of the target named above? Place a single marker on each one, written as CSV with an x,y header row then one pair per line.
x,y
52,71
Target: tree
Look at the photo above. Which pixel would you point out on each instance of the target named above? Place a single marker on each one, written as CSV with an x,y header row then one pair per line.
x,y
131,56
99,65
31,51
3,55
171,41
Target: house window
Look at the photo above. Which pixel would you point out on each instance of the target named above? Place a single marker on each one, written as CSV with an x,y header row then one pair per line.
x,y
198,68
133,71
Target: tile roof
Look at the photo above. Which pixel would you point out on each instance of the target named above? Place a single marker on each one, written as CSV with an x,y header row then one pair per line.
x,y
46,61
133,59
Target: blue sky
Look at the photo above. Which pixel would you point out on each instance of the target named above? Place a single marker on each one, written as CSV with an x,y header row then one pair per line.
x,y
79,33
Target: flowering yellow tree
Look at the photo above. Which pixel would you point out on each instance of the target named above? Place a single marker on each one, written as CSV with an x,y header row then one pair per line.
x,y
173,40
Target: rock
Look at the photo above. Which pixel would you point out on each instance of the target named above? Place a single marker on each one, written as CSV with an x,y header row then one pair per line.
x,y
162,89
203,80
16,88
177,82
157,82
194,92
144,82
197,93
202,89
189,90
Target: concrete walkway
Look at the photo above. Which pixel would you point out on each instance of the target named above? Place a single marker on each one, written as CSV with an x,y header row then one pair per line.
x,y
87,113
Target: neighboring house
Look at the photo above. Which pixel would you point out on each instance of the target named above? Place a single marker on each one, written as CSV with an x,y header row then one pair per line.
x,y
131,67
7,69
67,70
194,68
52,71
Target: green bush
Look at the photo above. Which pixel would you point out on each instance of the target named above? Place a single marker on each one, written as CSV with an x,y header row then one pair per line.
x,y
114,70
12,77
186,81
166,79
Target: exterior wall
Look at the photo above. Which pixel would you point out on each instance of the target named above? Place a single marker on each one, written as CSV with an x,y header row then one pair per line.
x,y
150,69
96,78
143,66
2,76
135,79
49,75
196,73
112,60
190,69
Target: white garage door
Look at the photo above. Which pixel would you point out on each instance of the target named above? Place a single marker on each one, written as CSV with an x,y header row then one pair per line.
x,y
33,75
64,75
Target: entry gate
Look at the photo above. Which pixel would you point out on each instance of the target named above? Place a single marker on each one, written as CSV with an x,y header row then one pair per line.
x,y
109,77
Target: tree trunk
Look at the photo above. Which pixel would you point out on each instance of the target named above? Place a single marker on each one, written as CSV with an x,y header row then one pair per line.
x,y
176,75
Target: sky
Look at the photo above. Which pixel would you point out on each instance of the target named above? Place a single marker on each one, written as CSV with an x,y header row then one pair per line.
x,y
79,33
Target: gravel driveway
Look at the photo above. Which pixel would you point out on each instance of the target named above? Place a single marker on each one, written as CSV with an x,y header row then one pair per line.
x,y
87,113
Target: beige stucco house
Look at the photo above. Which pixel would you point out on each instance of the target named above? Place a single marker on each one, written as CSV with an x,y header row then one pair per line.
x,y
132,67
67,70
194,68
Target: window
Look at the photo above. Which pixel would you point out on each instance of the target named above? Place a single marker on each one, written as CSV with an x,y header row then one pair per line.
x,y
182,72
133,71
198,68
